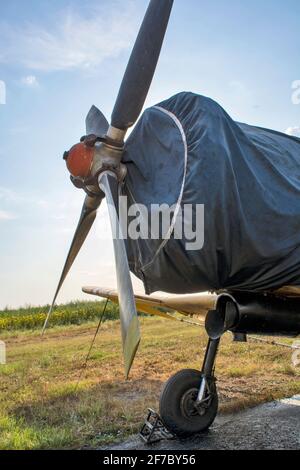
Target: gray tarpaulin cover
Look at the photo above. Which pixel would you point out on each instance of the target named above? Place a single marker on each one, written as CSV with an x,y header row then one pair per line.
x,y
187,150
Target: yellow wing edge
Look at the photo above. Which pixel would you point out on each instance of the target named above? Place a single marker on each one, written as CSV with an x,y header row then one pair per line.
x,y
162,305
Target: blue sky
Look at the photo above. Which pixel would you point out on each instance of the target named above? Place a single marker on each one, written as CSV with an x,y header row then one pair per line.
x,y
58,57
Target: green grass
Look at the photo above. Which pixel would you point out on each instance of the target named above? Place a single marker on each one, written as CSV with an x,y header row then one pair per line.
x,y
48,400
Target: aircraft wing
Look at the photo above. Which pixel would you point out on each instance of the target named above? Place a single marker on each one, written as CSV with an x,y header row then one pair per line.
x,y
288,291
163,305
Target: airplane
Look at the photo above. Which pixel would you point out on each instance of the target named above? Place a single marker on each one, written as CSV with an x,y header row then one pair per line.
x,y
187,387
188,149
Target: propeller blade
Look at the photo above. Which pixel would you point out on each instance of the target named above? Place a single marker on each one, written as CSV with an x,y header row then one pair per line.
x,y
96,123
129,320
142,64
87,217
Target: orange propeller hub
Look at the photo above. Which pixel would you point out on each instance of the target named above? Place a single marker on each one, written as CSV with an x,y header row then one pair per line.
x,y
79,160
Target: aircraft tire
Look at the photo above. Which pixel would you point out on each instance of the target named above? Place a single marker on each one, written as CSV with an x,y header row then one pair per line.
x,y
177,400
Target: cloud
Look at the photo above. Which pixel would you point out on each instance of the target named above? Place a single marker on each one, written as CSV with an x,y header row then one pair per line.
x,y
73,41
295,131
238,86
59,217
16,130
11,196
2,92
90,273
4,215
30,81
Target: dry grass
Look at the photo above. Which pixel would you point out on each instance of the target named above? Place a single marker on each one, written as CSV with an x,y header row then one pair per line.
x,y
41,407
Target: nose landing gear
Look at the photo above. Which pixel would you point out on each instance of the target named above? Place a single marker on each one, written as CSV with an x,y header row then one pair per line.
x,y
189,399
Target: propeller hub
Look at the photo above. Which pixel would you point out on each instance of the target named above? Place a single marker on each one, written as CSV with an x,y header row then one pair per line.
x,y
79,160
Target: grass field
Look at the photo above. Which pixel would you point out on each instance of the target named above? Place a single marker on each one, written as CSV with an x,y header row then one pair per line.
x,y
42,407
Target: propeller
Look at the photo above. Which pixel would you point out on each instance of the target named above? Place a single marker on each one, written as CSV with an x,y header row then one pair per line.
x,y
142,64
86,220
95,164
108,183
95,124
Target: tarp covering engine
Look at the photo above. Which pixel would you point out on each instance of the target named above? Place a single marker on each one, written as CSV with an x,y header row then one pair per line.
x,y
187,150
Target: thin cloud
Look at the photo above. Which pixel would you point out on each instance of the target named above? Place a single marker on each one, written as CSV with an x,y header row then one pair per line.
x,y
4,215
11,196
72,42
238,86
295,131
30,81
58,217
89,273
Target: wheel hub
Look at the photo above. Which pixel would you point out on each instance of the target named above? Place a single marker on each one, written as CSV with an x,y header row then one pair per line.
x,y
189,406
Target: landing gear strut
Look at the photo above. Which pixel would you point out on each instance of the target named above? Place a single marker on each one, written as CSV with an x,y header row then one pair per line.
x,y
189,399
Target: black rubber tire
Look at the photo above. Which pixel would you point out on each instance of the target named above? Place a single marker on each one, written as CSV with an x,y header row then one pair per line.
x,y
171,399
